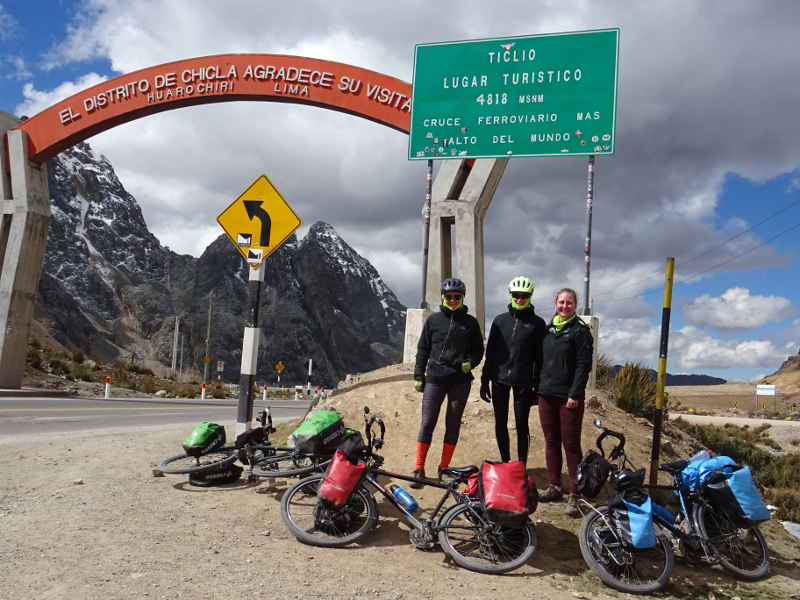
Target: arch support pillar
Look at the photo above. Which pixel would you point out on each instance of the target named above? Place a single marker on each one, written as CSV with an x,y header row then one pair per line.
x,y
461,195
23,238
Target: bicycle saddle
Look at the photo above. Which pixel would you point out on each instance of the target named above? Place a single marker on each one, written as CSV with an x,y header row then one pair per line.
x,y
458,472
674,467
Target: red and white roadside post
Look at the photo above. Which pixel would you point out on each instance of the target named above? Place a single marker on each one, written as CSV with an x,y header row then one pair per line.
x,y
202,391
108,387
264,391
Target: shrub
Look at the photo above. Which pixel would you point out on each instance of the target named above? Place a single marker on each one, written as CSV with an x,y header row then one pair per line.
x,y
217,390
147,384
78,357
34,359
79,371
139,370
604,375
58,367
633,391
34,343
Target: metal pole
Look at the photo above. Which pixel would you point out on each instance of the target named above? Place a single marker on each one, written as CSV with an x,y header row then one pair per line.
x,y
175,343
587,248
206,357
308,383
251,339
180,362
662,371
426,220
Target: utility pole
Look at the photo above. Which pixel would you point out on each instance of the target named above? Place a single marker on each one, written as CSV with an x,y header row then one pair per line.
x,y
180,362
175,343
206,357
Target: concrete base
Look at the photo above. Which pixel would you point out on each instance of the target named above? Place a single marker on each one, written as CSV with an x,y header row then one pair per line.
x,y
415,319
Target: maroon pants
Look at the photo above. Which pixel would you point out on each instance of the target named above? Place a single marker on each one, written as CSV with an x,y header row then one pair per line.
x,y
561,425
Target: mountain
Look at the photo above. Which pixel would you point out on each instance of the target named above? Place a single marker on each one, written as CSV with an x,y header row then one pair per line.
x,y
679,379
787,377
110,289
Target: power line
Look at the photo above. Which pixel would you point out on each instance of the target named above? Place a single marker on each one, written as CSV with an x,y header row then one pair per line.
x,y
711,249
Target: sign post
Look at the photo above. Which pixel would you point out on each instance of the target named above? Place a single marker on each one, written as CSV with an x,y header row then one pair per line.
x,y
539,95
256,223
655,449
766,390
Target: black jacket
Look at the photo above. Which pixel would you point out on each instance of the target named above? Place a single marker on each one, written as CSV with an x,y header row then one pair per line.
x,y
567,361
448,339
514,349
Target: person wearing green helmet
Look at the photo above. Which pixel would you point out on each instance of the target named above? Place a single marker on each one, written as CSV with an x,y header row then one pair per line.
x,y
450,346
513,362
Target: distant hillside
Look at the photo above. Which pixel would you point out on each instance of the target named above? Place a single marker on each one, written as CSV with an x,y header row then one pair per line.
x,y
680,379
787,378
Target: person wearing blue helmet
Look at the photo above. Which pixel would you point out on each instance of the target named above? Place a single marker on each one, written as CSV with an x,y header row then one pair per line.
x,y
514,362
450,346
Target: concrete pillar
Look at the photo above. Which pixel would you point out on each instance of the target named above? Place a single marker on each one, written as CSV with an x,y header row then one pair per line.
x,y
594,325
461,194
23,239
415,319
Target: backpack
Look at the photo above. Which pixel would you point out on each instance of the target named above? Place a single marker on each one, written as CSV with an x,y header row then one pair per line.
x,y
593,472
504,492
340,480
204,438
319,433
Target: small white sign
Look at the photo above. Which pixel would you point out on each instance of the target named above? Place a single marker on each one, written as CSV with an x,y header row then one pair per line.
x,y
244,239
255,256
765,390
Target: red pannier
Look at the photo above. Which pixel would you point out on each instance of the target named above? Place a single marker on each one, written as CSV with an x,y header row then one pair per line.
x,y
507,493
340,480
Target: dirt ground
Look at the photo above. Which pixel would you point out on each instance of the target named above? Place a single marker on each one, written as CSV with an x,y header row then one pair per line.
x,y
83,516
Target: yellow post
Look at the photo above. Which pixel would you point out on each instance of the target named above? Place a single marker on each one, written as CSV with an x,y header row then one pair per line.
x,y
662,371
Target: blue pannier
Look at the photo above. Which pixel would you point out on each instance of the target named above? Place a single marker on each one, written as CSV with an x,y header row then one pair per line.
x,y
634,522
735,493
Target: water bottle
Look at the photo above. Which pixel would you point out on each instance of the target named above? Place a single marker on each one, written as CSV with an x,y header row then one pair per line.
x,y
405,499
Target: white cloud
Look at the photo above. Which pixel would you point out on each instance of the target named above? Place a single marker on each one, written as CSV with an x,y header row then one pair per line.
x,y
736,309
690,349
8,25
37,100
19,68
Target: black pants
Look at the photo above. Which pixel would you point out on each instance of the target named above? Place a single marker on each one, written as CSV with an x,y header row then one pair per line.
x,y
522,409
432,399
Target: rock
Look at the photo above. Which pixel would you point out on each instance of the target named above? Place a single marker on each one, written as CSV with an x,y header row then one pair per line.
x,y
77,482
158,473
161,393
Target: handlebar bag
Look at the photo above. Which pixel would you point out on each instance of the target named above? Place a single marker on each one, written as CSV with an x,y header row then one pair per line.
x,y
503,491
204,438
352,445
340,480
737,495
320,433
632,516
593,472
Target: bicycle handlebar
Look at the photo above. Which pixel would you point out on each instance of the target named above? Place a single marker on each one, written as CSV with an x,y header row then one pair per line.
x,y
617,450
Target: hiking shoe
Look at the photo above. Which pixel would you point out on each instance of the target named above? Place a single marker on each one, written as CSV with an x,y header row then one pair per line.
x,y
572,509
552,493
420,474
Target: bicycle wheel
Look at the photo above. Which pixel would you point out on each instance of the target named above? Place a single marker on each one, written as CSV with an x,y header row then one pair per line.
x,y
741,550
314,524
289,464
631,570
184,463
476,544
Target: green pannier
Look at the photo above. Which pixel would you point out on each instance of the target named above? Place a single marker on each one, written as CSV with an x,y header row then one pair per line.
x,y
320,433
204,438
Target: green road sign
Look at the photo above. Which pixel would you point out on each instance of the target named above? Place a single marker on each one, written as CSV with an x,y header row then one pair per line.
x,y
539,95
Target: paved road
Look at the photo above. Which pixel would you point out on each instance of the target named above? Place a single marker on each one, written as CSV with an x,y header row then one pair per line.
x,y
713,420
25,416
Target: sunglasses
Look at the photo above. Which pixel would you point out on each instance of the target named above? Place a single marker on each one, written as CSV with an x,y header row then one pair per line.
x,y
520,295
452,296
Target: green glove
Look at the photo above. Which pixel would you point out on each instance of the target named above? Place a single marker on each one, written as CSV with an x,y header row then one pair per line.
x,y
466,367
419,385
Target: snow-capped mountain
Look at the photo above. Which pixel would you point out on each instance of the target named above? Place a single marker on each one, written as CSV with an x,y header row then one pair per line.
x,y
110,289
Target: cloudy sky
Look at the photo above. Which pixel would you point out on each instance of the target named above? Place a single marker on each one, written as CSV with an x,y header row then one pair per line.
x,y
706,168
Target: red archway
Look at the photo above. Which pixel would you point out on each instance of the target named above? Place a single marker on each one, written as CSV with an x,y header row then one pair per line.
x,y
220,78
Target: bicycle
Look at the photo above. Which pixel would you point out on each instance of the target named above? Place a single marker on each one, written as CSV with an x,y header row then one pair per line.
x,y
251,447
703,532
463,531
